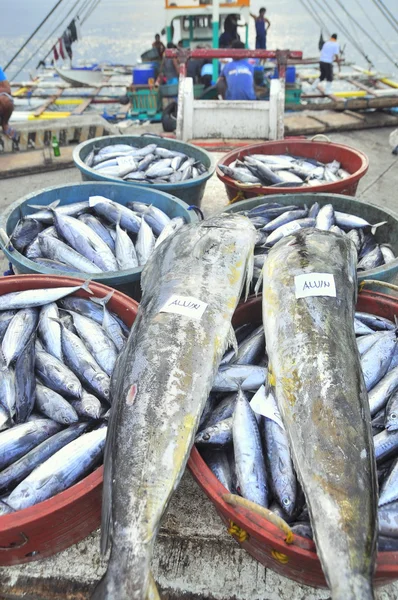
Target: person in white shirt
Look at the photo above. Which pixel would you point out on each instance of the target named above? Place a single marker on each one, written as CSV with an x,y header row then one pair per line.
x,y
329,54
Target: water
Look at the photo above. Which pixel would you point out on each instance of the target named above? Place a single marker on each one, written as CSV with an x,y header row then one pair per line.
x,y
120,30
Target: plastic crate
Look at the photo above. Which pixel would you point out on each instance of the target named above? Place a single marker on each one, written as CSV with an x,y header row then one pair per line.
x,y
171,90
144,102
293,94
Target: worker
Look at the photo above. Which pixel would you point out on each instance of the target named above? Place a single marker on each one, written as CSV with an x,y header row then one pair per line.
x,y
6,107
206,74
158,44
237,81
262,26
168,69
329,54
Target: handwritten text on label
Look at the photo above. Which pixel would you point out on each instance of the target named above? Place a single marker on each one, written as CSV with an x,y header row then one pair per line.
x,y
315,284
185,305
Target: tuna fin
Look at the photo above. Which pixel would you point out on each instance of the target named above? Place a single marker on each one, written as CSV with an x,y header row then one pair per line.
x,y
3,362
231,340
5,241
152,593
86,287
51,206
249,272
259,282
103,301
376,226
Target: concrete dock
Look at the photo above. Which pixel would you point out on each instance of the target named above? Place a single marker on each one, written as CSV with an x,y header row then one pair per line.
x,y
195,557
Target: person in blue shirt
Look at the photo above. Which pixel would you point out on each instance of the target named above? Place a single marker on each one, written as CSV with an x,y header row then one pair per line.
x,y
6,107
238,78
262,26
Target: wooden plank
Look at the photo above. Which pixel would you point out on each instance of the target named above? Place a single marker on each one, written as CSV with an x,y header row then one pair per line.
x,y
356,115
334,98
309,125
361,86
48,103
80,109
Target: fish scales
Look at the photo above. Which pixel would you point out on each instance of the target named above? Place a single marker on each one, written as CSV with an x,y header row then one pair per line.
x,y
159,389
323,402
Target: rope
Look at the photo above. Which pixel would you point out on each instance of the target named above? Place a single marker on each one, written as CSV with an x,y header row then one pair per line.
x,y
386,13
90,11
367,34
314,15
344,29
47,38
371,23
280,557
240,534
33,34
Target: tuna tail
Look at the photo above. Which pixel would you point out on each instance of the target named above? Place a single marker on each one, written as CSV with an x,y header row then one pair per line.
x,y
232,341
352,587
86,286
258,285
375,227
5,241
51,206
103,301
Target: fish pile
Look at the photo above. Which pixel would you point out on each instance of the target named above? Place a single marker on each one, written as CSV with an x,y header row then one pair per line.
x,y
93,236
191,287
274,221
58,353
283,171
230,420
149,164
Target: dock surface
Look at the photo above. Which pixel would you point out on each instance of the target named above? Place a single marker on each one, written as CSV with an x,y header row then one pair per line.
x,y
195,558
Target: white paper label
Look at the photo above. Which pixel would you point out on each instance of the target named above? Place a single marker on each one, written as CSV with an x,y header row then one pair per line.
x,y
315,284
290,228
264,404
185,305
125,162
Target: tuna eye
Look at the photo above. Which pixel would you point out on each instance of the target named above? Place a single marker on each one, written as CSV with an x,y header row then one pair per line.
x,y
393,416
206,436
286,501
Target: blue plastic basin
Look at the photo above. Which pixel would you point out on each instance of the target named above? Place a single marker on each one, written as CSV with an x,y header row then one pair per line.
x,y
126,281
190,191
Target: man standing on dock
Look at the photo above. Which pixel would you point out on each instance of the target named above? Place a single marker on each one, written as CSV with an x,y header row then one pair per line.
x,y
6,107
329,54
262,26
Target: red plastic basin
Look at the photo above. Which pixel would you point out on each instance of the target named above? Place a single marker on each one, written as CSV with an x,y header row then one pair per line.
x,y
353,161
265,542
70,516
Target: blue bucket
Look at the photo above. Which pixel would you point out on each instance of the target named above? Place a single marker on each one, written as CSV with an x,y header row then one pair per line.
x,y
126,281
190,191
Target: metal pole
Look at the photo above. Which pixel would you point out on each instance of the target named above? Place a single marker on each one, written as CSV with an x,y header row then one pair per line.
x,y
216,33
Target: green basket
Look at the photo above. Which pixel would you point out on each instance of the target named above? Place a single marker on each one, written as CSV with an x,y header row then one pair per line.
x,y
293,94
144,102
170,90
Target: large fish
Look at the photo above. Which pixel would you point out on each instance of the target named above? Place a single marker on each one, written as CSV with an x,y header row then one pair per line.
x,y
315,365
160,386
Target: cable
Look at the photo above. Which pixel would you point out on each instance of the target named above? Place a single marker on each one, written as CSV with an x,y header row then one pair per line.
x,y
382,37
46,40
368,36
90,12
313,14
33,34
387,14
345,31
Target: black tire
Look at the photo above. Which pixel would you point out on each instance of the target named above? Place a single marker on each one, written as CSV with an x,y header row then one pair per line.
x,y
169,117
